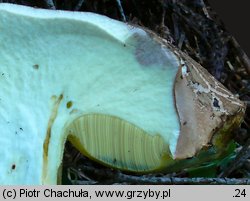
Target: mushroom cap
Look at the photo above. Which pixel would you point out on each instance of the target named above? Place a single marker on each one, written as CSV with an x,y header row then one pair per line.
x,y
114,90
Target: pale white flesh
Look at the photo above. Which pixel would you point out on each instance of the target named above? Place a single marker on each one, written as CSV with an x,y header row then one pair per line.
x,y
49,58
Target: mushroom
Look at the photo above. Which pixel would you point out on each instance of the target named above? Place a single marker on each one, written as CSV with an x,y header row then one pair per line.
x,y
122,95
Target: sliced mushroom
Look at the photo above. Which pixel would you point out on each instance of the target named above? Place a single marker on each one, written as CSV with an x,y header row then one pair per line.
x,y
120,94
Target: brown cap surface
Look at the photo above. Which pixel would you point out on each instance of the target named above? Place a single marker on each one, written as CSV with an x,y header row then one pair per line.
x,y
203,105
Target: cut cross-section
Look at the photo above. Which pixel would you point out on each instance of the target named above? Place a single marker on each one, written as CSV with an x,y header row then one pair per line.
x,y
121,95
110,83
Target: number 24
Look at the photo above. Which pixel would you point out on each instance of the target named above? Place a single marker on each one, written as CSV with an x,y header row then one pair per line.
x,y
240,193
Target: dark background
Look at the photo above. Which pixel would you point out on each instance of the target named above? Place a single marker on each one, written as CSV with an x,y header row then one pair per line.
x,y
236,18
